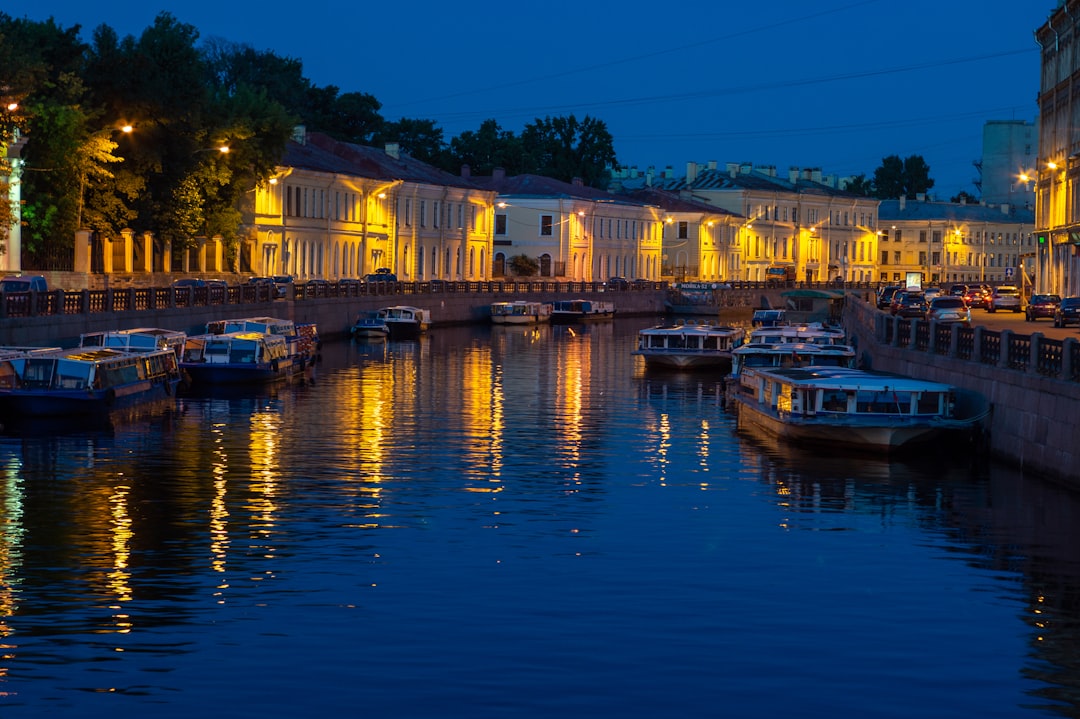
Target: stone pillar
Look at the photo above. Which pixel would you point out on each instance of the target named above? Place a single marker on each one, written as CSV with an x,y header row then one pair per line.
x,y
107,255
127,255
1033,357
1066,358
954,340
83,245
976,351
166,259
1003,348
216,254
146,256
200,254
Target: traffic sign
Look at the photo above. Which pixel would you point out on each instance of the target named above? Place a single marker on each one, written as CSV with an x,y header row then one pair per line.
x,y
1008,273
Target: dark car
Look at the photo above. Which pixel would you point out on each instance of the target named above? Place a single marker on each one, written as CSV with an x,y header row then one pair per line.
x,y
192,283
911,304
977,297
380,276
1068,312
618,283
282,283
958,290
24,283
1041,306
885,295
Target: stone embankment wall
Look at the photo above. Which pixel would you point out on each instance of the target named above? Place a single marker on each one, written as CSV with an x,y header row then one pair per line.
x,y
1034,421
333,315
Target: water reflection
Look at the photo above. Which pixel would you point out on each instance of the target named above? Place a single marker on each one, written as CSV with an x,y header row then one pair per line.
x,y
492,498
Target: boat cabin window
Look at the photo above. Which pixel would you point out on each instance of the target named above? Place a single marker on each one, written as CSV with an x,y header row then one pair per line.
x,y
243,352
883,402
834,400
928,403
113,375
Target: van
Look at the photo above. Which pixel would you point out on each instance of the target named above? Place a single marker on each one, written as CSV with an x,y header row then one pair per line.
x,y
24,283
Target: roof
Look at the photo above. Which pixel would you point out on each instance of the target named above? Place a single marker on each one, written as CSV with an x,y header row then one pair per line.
x,y
716,179
889,210
672,202
821,294
538,186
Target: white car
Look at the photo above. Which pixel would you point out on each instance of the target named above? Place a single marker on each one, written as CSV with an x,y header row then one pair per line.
x,y
1005,297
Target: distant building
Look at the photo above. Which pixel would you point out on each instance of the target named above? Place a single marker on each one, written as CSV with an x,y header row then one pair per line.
x,y
574,232
950,242
804,221
1010,151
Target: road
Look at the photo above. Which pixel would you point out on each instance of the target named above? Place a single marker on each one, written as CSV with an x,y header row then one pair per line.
x,y
1015,321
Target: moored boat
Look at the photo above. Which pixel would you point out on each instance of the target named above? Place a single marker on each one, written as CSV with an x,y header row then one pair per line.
x,y
688,346
140,339
239,358
581,310
369,326
842,407
520,312
82,381
303,339
805,333
405,321
789,354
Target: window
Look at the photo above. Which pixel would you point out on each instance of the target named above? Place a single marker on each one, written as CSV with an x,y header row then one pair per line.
x,y
408,211
896,259
545,225
684,230
435,216
500,224
423,213
884,257
935,236
899,235
922,235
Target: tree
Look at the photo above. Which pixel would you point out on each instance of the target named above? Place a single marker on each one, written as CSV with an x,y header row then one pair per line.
x,y
484,150
902,178
860,185
524,266
420,139
965,197
564,149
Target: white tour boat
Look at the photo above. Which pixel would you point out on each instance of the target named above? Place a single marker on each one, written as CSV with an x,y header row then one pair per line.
x,y
520,312
405,322
688,346
843,407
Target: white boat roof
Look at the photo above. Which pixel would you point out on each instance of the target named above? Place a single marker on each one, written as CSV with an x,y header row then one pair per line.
x,y
690,329
847,378
792,348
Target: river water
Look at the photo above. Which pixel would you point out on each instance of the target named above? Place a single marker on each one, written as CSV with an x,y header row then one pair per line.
x,y
497,522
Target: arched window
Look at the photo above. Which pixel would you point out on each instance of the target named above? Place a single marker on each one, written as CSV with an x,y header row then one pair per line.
x,y
545,265
498,267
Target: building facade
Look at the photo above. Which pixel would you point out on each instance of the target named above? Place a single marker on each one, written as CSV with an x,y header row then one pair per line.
x,y
338,210
574,232
1057,189
1010,151
949,242
802,222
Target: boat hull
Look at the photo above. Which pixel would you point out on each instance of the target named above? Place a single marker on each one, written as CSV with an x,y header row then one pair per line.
x,y
45,403
885,437
242,373
686,361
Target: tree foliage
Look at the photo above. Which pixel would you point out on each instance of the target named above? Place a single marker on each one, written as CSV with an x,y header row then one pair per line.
x,y
184,100
902,178
524,266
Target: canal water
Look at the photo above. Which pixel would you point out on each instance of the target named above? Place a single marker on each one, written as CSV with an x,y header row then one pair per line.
x,y
497,522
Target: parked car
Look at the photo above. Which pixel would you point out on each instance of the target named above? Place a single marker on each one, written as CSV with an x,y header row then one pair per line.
x,y
1041,306
282,284
188,283
885,295
1067,312
618,283
976,297
958,290
931,292
911,304
379,276
899,297
24,283
949,308
348,285
1005,297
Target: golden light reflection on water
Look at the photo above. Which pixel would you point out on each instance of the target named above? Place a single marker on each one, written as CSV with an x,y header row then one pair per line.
x,y
119,578
12,535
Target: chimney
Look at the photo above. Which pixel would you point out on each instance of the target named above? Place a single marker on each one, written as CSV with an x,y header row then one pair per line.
x,y
691,172
793,174
650,175
712,164
963,199
903,202
393,149
466,171
669,172
299,134
815,174
920,196
732,169
746,168
1005,207
498,174
577,182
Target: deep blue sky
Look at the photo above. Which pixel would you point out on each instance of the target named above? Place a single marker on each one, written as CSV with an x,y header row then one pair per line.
x,y
836,84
